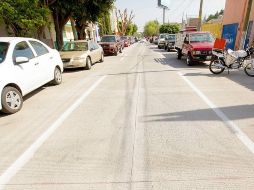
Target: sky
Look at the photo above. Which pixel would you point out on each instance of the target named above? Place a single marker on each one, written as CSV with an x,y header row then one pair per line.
x,y
146,10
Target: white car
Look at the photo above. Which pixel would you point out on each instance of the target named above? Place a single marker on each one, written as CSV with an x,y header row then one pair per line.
x,y
81,53
25,65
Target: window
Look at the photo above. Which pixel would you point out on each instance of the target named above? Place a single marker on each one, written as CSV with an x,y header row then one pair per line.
x,y
75,46
3,50
39,48
22,50
94,45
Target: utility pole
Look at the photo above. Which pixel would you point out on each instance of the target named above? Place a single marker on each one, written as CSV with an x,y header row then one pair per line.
x,y
246,23
164,12
200,15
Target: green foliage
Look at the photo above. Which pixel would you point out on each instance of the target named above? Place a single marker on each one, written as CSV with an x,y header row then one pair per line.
x,y
170,28
105,24
215,16
131,29
151,28
24,17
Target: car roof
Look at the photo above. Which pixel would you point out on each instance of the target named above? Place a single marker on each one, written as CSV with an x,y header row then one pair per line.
x,y
73,41
9,39
199,32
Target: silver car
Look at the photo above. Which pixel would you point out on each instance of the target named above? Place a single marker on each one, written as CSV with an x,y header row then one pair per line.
x,y
81,54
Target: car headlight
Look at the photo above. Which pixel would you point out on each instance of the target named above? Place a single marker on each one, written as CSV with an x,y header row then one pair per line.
x,y
78,58
196,52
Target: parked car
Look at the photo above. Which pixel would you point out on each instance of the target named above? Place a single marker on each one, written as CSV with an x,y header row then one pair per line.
x,y
155,40
170,42
25,65
196,46
81,53
126,41
111,44
161,40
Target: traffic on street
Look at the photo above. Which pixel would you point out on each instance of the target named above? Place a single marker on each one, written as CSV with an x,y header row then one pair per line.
x,y
141,120
126,95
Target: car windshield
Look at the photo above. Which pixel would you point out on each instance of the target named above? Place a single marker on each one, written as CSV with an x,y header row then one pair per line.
x,y
201,37
124,37
3,50
75,46
162,35
171,37
108,39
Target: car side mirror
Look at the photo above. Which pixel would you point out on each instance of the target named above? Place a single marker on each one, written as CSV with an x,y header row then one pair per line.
x,y
20,60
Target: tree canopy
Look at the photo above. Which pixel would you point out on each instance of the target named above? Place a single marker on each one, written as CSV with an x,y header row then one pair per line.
x,y
215,16
151,28
170,28
24,17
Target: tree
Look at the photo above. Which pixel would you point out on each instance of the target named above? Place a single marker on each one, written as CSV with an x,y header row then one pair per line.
x,y
105,24
170,28
131,29
151,28
82,12
123,20
215,16
23,21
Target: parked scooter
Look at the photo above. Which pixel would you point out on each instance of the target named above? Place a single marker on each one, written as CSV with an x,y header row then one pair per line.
x,y
230,59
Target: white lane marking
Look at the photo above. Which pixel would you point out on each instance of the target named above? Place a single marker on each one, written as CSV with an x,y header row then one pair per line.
x,y
29,153
231,125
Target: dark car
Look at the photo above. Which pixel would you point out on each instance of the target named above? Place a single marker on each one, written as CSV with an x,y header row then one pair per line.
x,y
111,44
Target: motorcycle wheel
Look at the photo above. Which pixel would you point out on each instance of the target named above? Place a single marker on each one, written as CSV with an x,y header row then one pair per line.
x,y
216,66
249,70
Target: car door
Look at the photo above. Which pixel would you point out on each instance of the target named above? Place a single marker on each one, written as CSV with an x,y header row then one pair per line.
x,y
45,61
26,73
94,51
97,51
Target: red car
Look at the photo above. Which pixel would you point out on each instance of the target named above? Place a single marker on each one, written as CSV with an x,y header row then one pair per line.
x,y
126,41
111,44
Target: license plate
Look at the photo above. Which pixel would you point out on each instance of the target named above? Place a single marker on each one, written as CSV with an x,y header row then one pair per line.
x,y
209,57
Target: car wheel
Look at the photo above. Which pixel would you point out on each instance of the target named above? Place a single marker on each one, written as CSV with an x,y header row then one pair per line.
x,y
102,57
12,100
57,76
116,52
88,63
179,54
189,60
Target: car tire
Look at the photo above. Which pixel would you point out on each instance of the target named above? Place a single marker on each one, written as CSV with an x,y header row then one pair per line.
x,y
116,52
102,57
179,54
189,60
15,102
88,63
57,76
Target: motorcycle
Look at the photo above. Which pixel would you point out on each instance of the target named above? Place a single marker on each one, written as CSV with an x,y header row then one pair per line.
x,y
230,59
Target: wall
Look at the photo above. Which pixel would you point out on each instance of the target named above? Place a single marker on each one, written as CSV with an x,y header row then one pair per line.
x,y
252,19
235,13
214,28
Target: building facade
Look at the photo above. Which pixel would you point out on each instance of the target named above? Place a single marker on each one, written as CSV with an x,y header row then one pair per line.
x,y
234,19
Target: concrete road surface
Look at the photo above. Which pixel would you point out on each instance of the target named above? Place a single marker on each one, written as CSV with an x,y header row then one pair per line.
x,y
141,120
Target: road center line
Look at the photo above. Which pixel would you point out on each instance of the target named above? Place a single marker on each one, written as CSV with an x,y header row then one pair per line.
x,y
231,125
29,153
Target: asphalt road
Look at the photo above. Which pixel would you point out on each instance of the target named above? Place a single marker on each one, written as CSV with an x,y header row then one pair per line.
x,y
140,121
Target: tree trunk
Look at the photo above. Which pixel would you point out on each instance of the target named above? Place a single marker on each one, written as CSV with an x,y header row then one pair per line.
x,y
74,29
59,31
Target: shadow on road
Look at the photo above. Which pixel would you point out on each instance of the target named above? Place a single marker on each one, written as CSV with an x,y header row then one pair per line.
x,y
237,76
233,112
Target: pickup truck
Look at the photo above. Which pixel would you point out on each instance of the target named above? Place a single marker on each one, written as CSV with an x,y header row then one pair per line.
x,y
196,46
